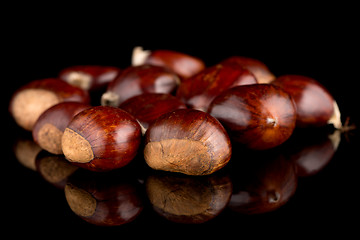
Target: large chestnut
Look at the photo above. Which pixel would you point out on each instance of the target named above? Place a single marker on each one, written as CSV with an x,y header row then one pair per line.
x,y
258,68
188,199
101,138
187,141
147,107
260,116
198,91
51,124
137,80
89,77
182,64
315,106
31,100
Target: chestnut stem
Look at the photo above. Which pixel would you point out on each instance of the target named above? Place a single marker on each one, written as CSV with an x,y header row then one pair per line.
x,y
139,56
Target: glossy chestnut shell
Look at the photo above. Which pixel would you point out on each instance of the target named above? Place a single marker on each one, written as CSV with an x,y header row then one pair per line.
x,y
198,91
134,81
101,138
187,141
147,107
314,104
260,116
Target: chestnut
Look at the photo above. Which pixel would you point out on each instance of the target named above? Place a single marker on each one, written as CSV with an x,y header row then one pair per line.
x,y
147,107
188,199
198,91
260,116
31,100
25,151
182,64
51,124
258,68
110,199
137,80
101,138
187,141
315,106
89,77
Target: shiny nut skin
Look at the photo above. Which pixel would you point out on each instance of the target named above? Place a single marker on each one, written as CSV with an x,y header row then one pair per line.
x,y
187,141
101,138
259,116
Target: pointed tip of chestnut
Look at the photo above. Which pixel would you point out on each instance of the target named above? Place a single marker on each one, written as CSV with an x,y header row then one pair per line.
x,y
139,56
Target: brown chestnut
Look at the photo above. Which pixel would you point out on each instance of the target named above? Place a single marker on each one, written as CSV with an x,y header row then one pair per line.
x,y
258,68
188,199
31,100
198,91
187,141
315,106
147,107
51,124
89,77
137,80
182,64
260,116
101,138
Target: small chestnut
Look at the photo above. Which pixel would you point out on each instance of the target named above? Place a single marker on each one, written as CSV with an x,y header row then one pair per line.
x,y
147,107
198,91
258,68
315,106
89,77
101,138
137,80
182,64
260,116
31,100
51,124
187,141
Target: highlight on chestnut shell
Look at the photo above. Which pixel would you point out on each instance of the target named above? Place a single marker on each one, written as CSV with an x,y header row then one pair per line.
x,y
260,116
187,141
101,138
315,105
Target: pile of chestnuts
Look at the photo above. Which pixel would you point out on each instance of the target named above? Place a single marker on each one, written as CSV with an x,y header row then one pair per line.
x,y
182,115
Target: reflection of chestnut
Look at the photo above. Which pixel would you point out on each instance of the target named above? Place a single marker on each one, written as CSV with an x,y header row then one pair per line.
x,y
50,126
89,77
110,199
260,116
262,182
25,151
147,107
31,100
310,155
54,168
256,67
137,80
182,64
186,199
187,141
198,91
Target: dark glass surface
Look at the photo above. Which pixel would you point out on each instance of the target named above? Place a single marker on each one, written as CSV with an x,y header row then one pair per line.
x,y
299,189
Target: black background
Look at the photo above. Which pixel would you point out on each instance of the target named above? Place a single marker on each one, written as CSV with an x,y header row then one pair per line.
x,y
317,43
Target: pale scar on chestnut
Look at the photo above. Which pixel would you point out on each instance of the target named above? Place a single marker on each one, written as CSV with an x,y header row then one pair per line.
x,y
76,148
49,138
80,201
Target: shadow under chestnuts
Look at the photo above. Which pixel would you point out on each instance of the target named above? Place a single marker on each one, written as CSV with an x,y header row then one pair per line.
x,y
209,137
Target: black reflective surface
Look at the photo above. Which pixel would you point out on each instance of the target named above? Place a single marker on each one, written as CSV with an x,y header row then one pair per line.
x,y
307,187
